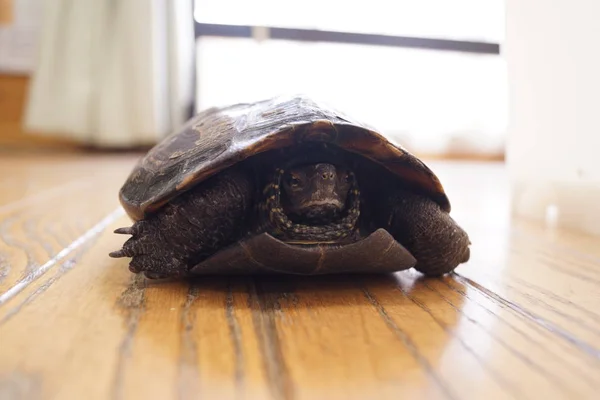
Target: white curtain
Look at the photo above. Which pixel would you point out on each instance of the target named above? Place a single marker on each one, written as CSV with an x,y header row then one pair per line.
x,y
113,73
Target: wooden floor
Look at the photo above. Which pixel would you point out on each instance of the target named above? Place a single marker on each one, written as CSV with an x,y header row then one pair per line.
x,y
520,320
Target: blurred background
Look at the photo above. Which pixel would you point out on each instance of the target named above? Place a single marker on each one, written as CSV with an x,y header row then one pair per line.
x,y
122,75
509,81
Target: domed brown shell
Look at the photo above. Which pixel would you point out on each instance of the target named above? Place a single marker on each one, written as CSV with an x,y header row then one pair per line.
x,y
220,137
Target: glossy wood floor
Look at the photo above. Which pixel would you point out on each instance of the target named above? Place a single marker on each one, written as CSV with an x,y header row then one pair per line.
x,y
520,320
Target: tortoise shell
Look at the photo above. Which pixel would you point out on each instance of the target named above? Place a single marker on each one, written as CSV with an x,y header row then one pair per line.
x,y
220,137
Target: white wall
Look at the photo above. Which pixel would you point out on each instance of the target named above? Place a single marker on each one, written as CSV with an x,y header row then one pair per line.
x,y
553,59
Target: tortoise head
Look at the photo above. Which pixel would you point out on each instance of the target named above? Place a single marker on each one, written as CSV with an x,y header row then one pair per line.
x,y
311,202
315,193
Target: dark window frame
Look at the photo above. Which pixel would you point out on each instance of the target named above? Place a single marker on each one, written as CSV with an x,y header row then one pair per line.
x,y
314,35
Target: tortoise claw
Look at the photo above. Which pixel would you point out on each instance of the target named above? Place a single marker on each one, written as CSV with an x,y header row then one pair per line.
x,y
117,254
124,231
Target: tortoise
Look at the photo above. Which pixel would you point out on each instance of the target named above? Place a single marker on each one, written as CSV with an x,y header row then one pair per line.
x,y
285,185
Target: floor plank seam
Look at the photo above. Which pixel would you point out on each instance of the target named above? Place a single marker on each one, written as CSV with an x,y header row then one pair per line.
x,y
545,305
552,378
33,276
590,314
64,268
235,335
188,373
132,301
582,345
591,361
499,379
265,328
548,307
408,343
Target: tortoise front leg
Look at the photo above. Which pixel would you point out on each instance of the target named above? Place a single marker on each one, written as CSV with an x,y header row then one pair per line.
x,y
437,242
191,227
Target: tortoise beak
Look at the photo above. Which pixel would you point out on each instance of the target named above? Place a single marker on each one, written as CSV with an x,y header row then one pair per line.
x,y
322,209
322,203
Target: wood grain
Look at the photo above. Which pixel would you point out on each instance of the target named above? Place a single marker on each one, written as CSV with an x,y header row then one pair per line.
x,y
520,320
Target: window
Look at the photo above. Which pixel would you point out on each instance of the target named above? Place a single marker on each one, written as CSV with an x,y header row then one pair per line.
x,y
479,20
432,101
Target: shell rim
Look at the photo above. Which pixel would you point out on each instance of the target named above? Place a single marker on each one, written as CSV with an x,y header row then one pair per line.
x,y
297,133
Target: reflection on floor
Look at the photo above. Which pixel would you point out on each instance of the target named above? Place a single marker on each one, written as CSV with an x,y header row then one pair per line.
x,y
520,320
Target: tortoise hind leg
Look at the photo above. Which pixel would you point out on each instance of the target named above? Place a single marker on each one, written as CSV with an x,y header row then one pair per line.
x,y
191,227
437,242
